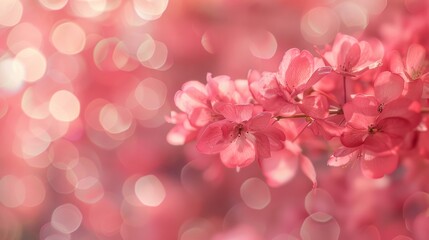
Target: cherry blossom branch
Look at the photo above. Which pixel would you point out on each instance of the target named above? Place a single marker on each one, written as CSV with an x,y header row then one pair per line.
x,y
336,111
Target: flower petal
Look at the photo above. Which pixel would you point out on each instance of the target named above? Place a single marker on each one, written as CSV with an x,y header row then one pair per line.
x,y
260,121
415,58
353,137
361,111
307,168
240,153
376,165
315,106
233,112
300,70
388,87
396,64
216,137
284,65
343,156
280,167
192,95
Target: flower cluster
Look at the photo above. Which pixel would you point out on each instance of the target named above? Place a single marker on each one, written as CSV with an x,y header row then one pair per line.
x,y
350,92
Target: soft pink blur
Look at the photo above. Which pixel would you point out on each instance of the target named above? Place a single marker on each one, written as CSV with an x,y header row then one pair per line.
x,y
86,87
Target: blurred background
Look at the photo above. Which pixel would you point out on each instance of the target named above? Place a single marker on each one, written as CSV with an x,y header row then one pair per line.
x,y
85,86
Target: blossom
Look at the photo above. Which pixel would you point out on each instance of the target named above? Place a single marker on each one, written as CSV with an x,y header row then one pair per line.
x,y
245,135
414,70
299,71
373,164
377,128
350,57
182,132
193,99
223,89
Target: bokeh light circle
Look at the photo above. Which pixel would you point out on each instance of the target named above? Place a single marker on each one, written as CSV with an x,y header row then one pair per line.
x,y
312,229
66,218
64,106
150,191
255,193
68,38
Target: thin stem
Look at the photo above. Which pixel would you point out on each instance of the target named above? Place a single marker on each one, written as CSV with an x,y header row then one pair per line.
x,y
344,89
302,130
334,111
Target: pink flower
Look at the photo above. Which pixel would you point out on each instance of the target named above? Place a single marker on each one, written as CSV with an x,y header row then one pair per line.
x,y
266,91
413,66
414,69
373,164
351,57
183,132
298,72
282,92
193,99
223,89
245,135
316,108
376,126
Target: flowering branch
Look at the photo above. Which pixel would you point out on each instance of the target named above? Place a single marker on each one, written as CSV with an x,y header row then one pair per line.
x,y
332,112
237,119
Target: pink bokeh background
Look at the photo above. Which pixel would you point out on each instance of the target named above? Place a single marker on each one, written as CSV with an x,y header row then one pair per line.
x,y
85,88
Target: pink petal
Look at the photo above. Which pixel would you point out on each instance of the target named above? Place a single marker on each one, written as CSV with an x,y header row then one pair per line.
x,y
315,77
260,121
179,135
315,106
200,117
344,48
395,126
396,64
413,89
300,70
376,165
307,168
234,113
240,153
242,94
280,167
262,146
403,108
275,136
191,96
325,128
377,49
379,142
353,56
361,111
388,87
415,58
182,132
342,156
353,138
265,89
216,137
341,46
365,52
284,65
220,88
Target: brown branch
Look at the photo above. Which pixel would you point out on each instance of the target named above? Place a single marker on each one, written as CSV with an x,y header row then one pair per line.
x,y
336,111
